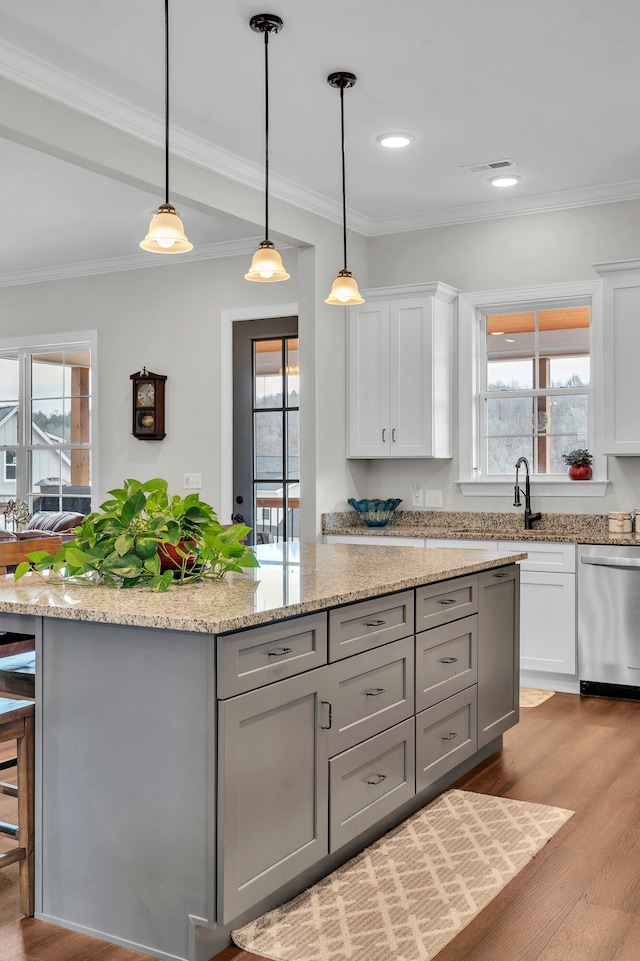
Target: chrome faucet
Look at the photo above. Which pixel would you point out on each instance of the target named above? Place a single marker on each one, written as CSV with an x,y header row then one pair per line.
x,y
529,518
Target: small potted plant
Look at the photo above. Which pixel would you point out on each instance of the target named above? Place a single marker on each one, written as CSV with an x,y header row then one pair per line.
x,y
579,462
143,535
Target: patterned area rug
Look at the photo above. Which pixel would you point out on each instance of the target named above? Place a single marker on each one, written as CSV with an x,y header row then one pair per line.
x,y
531,696
413,890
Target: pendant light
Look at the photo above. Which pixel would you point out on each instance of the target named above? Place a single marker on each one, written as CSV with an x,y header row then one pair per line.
x,y
166,231
266,265
344,291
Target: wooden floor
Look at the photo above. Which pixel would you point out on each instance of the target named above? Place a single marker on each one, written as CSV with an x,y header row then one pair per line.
x,y
578,900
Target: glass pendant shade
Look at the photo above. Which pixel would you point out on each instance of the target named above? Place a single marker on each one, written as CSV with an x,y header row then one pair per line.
x,y
267,264
166,233
344,292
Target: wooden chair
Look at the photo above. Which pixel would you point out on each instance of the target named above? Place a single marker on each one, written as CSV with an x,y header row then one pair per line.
x,y
17,723
17,651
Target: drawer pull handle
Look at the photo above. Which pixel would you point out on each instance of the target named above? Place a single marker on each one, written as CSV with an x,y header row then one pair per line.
x,y
375,691
449,600
377,779
327,727
281,652
502,574
377,623
450,736
448,660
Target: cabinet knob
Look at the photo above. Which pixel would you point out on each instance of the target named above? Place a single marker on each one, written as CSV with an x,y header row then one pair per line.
x,y
281,652
377,779
450,736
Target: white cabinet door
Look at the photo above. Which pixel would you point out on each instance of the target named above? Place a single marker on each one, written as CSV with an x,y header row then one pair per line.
x,y
368,427
621,348
399,375
548,622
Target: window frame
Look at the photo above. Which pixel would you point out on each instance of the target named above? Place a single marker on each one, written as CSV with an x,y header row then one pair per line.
x,y
24,347
472,310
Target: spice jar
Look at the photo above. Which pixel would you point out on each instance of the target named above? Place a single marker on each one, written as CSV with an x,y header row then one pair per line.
x,y
620,522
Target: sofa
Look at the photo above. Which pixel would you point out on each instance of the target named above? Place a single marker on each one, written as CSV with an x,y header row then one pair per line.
x,y
57,523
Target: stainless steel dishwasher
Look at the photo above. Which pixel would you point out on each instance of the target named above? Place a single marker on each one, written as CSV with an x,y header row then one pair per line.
x,y
609,621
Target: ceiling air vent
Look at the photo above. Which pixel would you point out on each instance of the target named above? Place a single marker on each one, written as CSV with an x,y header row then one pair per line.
x,y
488,167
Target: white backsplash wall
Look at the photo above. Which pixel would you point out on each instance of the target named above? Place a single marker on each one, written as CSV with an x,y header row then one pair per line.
x,y
396,478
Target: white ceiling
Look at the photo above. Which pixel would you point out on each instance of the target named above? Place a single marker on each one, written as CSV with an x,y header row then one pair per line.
x,y
553,85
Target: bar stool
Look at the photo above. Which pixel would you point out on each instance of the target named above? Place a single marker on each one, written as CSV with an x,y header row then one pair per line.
x,y
17,723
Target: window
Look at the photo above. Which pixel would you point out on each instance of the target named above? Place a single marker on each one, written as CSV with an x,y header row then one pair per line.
x,y
528,376
10,465
46,413
536,387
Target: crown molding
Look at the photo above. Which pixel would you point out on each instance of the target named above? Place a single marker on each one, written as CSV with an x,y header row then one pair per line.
x,y
543,203
231,248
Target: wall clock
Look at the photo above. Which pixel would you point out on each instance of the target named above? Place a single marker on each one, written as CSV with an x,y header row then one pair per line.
x,y
148,405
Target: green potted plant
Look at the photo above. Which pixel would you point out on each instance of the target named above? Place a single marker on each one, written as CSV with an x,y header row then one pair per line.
x,y
142,535
579,462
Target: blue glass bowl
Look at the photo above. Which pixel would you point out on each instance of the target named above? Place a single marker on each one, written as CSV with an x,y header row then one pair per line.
x,y
375,512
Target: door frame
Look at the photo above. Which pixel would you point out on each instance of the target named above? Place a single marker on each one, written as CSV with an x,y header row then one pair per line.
x,y
227,319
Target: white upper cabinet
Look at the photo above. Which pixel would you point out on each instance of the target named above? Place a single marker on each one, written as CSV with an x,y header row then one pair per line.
x,y
620,352
399,362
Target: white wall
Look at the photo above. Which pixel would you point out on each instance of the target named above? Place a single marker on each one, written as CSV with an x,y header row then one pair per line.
x,y
535,249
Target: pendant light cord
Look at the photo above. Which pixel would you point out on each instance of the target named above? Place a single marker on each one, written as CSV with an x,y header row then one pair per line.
x,y
166,101
344,191
266,134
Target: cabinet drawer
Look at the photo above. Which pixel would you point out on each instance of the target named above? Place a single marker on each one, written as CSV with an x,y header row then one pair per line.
x,y
370,692
543,556
367,624
440,603
370,781
446,735
446,661
260,655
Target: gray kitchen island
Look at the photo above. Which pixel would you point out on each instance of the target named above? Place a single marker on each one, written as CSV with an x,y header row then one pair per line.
x,y
205,754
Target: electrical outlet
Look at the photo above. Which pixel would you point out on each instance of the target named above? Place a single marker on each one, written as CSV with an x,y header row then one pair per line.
x,y
417,499
433,498
193,481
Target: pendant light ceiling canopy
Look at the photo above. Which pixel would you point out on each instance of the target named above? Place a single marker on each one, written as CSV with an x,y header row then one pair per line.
x,y
166,231
344,291
266,265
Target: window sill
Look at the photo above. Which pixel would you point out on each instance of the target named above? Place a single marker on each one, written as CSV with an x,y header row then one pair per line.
x,y
558,487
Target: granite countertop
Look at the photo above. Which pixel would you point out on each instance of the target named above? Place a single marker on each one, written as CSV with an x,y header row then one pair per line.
x,y
484,525
292,579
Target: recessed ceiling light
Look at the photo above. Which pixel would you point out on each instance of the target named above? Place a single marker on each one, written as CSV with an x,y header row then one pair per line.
x,y
395,140
504,181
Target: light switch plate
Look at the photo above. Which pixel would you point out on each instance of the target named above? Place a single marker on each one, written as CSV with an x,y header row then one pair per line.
x,y
193,481
417,499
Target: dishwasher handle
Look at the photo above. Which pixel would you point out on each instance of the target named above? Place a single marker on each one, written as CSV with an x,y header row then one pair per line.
x,y
601,560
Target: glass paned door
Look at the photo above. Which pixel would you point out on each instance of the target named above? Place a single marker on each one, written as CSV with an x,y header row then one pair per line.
x,y
266,429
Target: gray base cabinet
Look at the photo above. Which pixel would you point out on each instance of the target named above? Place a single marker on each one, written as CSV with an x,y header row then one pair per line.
x,y
498,652
414,685
273,789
